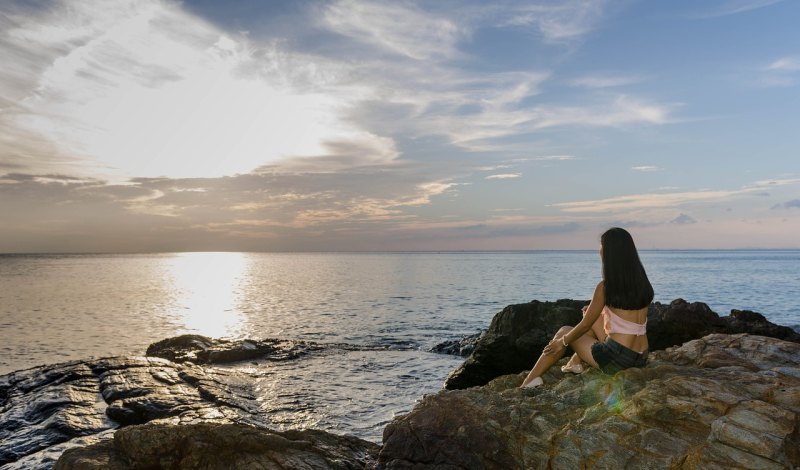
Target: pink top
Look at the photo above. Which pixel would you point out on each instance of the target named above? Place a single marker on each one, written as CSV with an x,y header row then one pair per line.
x,y
613,323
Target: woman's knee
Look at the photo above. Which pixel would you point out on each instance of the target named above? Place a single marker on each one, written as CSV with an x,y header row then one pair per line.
x,y
563,330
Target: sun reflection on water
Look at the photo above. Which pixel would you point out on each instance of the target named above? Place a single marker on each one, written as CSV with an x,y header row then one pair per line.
x,y
207,289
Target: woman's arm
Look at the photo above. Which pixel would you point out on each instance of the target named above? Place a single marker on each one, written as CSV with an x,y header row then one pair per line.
x,y
591,316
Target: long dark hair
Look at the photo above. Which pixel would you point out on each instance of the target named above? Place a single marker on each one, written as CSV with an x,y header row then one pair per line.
x,y
626,283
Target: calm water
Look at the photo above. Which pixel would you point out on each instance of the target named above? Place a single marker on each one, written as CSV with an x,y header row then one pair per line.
x,y
60,307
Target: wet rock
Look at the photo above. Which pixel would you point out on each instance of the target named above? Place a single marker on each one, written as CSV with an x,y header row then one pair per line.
x,y
221,446
203,350
518,334
458,347
47,409
723,401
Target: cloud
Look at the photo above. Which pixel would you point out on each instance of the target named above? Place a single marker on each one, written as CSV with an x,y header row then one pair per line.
x,y
604,81
238,212
556,22
733,7
546,158
785,63
780,72
398,28
683,219
794,203
644,201
503,176
646,168
145,88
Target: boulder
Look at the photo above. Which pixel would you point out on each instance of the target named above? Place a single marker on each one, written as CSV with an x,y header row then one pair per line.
x,y
723,401
220,446
517,334
47,409
204,350
458,347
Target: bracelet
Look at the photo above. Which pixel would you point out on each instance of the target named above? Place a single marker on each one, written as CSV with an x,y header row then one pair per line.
x,y
564,341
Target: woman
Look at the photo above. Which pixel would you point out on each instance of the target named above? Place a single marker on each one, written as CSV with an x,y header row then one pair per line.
x,y
622,299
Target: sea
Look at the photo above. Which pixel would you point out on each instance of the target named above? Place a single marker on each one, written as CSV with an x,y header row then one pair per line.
x,y
55,308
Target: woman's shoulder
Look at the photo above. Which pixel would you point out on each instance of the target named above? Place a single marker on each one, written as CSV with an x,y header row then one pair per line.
x,y
600,292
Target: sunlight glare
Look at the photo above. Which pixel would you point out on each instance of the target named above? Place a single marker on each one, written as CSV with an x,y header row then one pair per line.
x,y
207,290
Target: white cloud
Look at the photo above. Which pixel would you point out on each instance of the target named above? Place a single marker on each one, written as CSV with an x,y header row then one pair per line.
x,y
547,158
664,200
646,168
786,63
732,7
145,88
503,176
604,81
643,201
557,21
399,28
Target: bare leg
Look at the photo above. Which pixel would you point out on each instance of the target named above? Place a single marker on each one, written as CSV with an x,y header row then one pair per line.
x,y
597,332
546,360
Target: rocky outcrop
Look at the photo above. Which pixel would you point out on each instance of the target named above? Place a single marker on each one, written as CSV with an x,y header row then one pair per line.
x,y
204,350
47,409
457,347
518,334
221,446
718,402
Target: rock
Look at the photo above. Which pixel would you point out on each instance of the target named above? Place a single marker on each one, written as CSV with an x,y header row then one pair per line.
x,y
221,446
458,347
203,350
47,409
723,401
518,334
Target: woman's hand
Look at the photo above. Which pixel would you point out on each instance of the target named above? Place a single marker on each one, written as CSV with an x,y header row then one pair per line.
x,y
553,347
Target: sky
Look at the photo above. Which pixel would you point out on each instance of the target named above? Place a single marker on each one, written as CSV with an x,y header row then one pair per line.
x,y
349,125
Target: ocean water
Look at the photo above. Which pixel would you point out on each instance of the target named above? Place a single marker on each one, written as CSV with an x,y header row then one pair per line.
x,y
60,307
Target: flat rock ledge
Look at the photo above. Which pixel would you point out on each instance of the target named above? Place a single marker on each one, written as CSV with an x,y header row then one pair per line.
x,y
222,447
199,349
49,409
720,402
517,334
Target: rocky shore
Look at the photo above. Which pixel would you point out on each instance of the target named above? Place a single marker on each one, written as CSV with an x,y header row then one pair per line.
x,y
722,392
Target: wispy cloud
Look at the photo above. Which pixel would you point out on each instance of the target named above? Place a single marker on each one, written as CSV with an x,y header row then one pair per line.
x,y
793,204
559,21
782,72
683,219
791,63
641,201
387,25
605,81
669,199
733,7
546,158
647,168
503,176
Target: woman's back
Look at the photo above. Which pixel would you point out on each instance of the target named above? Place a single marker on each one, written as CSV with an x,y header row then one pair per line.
x,y
636,342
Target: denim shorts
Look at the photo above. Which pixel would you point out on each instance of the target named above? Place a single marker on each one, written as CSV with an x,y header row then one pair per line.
x,y
613,357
